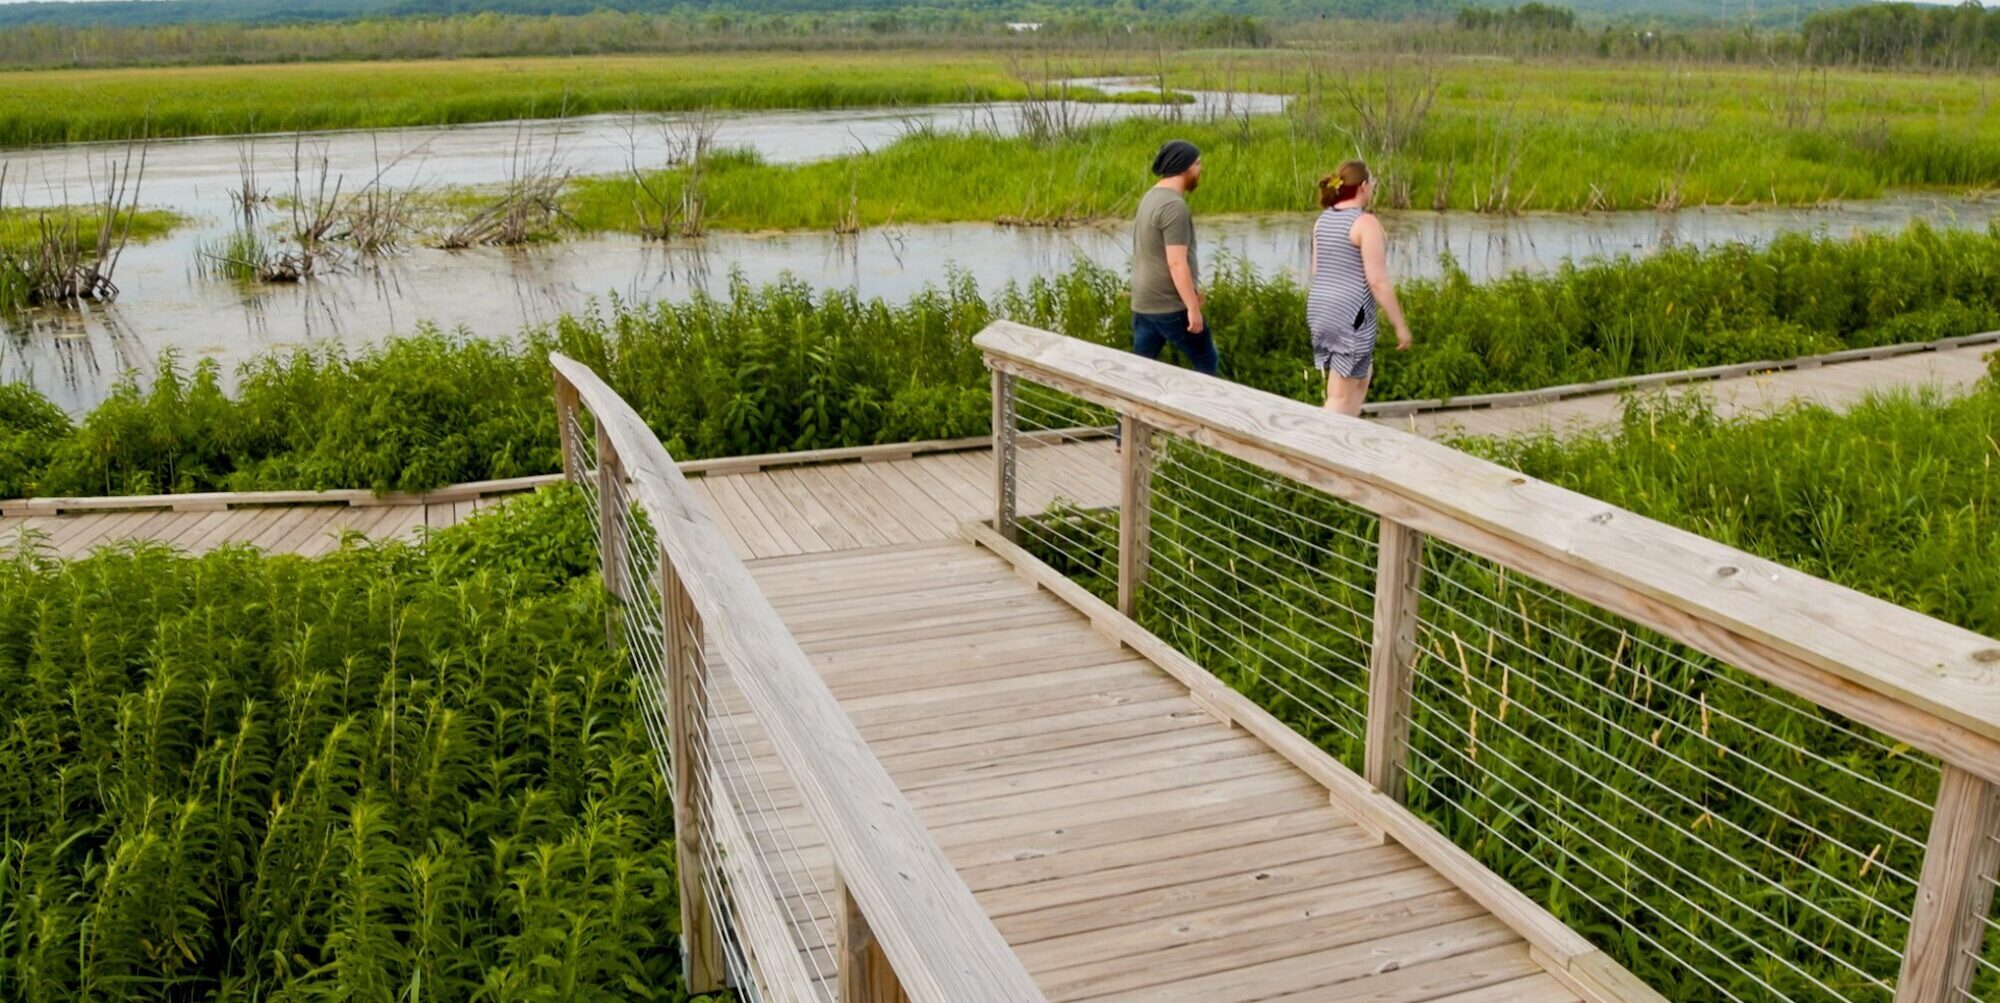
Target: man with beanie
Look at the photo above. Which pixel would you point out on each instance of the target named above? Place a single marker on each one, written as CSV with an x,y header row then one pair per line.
x,y
1166,298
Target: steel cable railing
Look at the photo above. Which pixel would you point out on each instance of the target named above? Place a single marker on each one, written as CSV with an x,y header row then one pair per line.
x,y
638,613
1720,834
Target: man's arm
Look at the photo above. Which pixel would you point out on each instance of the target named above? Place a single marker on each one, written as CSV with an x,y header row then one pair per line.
x,y
1177,266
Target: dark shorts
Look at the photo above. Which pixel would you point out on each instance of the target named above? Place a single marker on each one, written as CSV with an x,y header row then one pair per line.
x,y
1152,332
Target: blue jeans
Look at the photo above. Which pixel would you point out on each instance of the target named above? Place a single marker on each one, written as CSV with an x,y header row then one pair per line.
x,y
1154,331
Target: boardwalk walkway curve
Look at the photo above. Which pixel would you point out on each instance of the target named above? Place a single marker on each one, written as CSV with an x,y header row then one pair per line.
x,y
950,472
1049,721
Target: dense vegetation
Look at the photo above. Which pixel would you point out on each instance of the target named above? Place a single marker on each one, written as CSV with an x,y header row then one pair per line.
x,y
1500,139
1959,37
70,106
1721,839
394,773
785,368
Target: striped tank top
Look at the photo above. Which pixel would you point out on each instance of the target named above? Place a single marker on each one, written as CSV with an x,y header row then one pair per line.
x,y
1339,307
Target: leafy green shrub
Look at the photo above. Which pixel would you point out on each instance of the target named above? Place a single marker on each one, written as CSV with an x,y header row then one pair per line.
x,y
386,774
30,427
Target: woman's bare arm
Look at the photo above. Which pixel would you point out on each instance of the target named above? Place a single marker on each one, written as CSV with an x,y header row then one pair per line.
x,y
1367,235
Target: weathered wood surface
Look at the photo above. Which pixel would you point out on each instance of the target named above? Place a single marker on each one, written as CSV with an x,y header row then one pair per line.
x,y
921,914
1924,681
794,509
1838,385
1128,845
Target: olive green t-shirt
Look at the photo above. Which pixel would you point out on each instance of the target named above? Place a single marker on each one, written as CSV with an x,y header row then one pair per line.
x,y
1163,220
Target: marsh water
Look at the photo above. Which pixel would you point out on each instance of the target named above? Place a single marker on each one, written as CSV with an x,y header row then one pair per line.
x,y
166,300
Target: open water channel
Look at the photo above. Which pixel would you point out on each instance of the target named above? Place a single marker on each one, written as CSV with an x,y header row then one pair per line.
x,y
167,302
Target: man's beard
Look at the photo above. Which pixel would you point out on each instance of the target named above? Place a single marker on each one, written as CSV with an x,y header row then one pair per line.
x,y
1190,183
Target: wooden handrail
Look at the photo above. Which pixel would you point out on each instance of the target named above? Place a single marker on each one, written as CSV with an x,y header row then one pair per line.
x,y
1931,684
940,942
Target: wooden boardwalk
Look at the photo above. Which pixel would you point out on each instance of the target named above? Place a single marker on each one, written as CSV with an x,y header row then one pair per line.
x,y
787,509
1128,845
1130,833
1952,371
790,507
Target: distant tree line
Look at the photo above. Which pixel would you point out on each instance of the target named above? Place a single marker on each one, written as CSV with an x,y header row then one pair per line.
x,y
1881,34
1906,34
1527,17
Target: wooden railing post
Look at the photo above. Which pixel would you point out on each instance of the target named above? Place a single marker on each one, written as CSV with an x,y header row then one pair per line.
x,y
566,405
610,514
1954,891
701,943
1391,660
865,973
1004,454
1135,511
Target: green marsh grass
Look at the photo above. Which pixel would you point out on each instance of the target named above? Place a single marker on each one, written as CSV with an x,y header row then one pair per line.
x,y
1500,137
787,367
394,773
64,106
22,227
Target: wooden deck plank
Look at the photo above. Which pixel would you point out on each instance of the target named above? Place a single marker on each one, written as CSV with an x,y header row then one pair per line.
x,y
776,527
832,529
408,520
200,527
753,528
806,539
1349,954
69,526
833,487
948,483
721,517
288,520
884,501
1223,940
98,530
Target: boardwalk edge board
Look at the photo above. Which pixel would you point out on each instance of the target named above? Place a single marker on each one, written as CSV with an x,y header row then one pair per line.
x,y
1705,374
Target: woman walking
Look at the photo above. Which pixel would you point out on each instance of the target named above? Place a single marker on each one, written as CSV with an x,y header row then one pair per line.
x,y
1350,282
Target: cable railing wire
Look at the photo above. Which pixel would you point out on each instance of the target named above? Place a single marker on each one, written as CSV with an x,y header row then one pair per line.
x,y
1604,825
1729,678
745,793
1721,748
1649,779
1793,747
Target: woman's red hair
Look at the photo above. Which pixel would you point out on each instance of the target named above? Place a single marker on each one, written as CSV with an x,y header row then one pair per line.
x,y
1344,183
